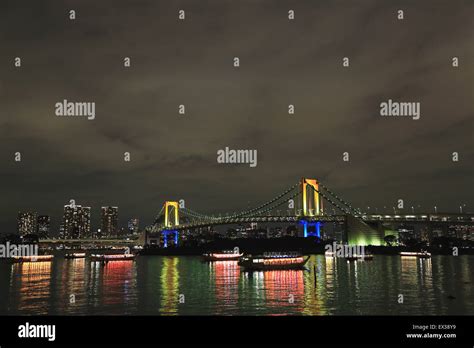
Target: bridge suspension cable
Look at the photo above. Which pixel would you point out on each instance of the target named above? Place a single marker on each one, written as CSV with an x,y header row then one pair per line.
x,y
343,209
296,194
160,213
193,214
253,210
242,213
353,211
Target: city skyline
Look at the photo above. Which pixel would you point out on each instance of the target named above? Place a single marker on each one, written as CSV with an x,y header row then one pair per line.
x,y
31,222
174,156
124,224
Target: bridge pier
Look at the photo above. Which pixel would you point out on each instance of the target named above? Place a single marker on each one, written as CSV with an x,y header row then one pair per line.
x,y
166,233
307,231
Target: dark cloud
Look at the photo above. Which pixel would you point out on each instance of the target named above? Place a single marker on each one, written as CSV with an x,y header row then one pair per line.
x,y
190,63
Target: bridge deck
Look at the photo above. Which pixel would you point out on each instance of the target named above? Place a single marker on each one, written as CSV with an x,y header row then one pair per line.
x,y
441,218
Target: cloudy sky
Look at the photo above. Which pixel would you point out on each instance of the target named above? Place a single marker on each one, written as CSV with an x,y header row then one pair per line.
x,y
190,62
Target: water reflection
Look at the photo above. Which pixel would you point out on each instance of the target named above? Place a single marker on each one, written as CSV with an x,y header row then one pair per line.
x,y
226,281
115,282
169,278
416,271
425,273
152,285
30,285
318,282
71,281
283,290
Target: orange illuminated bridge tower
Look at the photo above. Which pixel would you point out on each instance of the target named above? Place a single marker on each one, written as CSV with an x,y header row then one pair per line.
x,y
312,206
171,209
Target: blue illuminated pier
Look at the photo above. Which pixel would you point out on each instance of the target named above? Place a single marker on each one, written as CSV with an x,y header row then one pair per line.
x,y
309,232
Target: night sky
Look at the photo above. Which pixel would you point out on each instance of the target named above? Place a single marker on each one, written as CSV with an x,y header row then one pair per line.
x,y
190,62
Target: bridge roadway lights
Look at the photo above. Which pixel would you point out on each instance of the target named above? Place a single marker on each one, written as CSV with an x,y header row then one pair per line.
x,y
317,228
165,234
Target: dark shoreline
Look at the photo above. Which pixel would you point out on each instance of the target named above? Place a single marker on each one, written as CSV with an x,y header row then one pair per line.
x,y
303,245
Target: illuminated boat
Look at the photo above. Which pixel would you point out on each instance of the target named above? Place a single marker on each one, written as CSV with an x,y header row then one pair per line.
x,y
37,258
273,261
353,257
111,257
421,254
365,257
222,256
75,255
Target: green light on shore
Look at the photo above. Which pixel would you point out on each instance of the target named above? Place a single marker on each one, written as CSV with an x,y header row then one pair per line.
x,y
361,238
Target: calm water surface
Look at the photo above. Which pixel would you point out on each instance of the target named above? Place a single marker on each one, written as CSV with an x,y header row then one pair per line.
x,y
153,285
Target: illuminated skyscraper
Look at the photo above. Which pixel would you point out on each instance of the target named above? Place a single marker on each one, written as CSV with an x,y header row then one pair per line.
x,y
26,223
76,221
43,226
109,221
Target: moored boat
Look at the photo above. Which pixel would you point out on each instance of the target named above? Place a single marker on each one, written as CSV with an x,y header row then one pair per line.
x,y
75,255
273,261
222,256
36,258
365,257
420,254
111,257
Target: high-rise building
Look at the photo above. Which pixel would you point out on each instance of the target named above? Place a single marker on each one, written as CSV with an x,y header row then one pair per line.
x,y
62,233
133,225
43,224
76,221
109,221
26,223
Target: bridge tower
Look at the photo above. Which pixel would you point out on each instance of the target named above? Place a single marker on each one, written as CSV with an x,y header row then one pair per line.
x,y
171,208
312,206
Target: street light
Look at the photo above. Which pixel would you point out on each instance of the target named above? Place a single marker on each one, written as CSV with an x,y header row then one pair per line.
x,y
436,209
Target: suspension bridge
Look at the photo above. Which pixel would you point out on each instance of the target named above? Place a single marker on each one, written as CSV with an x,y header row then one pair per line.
x,y
307,203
